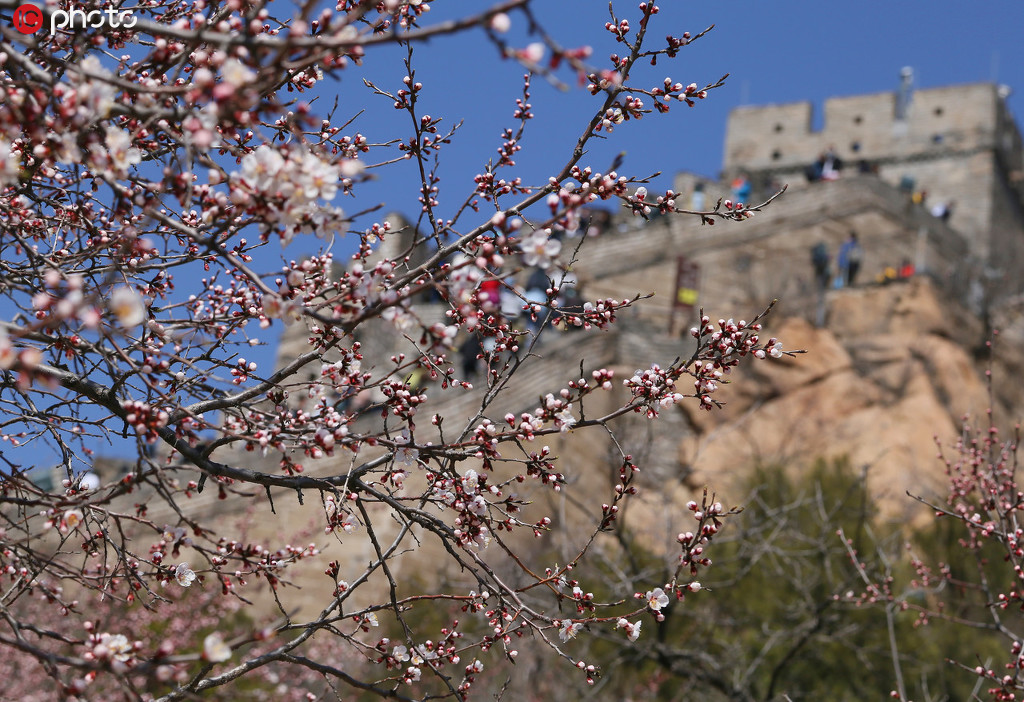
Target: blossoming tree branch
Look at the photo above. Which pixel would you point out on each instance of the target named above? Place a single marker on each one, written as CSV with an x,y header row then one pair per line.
x,y
152,178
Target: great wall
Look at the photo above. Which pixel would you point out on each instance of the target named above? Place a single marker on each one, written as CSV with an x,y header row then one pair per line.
x,y
893,364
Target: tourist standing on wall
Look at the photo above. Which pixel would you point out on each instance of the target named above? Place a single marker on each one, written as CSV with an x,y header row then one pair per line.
x,y
850,255
820,260
741,189
831,164
697,197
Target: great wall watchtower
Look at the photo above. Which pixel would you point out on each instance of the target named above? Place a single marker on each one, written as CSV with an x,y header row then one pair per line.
x,y
958,143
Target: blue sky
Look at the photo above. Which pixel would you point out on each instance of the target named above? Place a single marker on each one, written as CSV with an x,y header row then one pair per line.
x,y
774,52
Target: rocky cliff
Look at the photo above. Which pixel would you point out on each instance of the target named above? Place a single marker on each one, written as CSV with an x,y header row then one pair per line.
x,y
896,367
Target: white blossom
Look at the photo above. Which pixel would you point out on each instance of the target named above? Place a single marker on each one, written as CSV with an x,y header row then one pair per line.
x,y
236,73
565,419
483,538
569,629
656,599
184,575
350,523
296,185
214,648
501,22
72,518
539,249
260,168
128,306
477,505
407,456
116,647
470,482
96,96
632,628
10,165
120,152
421,654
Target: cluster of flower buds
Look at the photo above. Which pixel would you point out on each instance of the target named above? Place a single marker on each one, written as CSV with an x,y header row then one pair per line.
x,y
541,467
423,144
721,349
654,388
669,91
485,436
602,379
638,202
623,488
407,95
620,30
606,79
676,43
508,148
709,522
491,189
730,337
597,185
338,517
737,211
146,420
467,498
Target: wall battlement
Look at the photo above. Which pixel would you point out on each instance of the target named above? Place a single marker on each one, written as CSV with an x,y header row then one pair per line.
x,y
936,121
958,145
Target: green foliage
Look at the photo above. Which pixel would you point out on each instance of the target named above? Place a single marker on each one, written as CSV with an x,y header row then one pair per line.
x,y
782,619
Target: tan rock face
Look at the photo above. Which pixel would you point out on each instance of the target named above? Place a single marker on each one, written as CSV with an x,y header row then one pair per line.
x,y
890,374
910,307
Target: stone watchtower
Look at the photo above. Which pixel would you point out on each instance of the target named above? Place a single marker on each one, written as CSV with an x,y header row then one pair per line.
x,y
958,144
